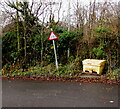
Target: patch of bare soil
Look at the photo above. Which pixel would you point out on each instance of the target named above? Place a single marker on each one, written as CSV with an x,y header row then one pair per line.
x,y
84,79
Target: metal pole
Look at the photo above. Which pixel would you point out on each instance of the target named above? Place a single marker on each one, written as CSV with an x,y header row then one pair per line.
x,y
56,62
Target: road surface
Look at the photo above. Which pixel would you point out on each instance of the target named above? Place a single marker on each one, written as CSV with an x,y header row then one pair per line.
x,y
18,93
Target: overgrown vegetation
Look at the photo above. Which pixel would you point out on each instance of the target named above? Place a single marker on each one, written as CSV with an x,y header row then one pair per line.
x,y
26,50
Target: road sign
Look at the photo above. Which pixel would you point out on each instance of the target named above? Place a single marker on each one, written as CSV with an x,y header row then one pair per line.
x,y
52,36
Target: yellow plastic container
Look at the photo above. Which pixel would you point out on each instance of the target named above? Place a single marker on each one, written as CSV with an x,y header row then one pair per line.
x,y
93,65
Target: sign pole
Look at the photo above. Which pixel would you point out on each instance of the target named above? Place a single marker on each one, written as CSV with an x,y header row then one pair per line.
x,y
56,62
53,37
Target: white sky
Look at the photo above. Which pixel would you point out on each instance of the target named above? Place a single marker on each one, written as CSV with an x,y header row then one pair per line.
x,y
73,2
64,10
66,1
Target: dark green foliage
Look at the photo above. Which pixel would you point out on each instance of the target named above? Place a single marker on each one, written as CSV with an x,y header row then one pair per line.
x,y
9,47
102,43
103,29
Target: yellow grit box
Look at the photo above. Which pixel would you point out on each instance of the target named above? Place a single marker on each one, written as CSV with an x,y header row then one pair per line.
x,y
93,65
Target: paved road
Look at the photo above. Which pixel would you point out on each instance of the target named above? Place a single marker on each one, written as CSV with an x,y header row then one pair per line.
x,y
58,94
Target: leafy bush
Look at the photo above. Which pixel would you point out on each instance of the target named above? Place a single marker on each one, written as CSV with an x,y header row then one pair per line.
x,y
98,52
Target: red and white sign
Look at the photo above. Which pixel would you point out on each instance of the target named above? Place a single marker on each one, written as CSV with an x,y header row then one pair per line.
x,y
52,36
